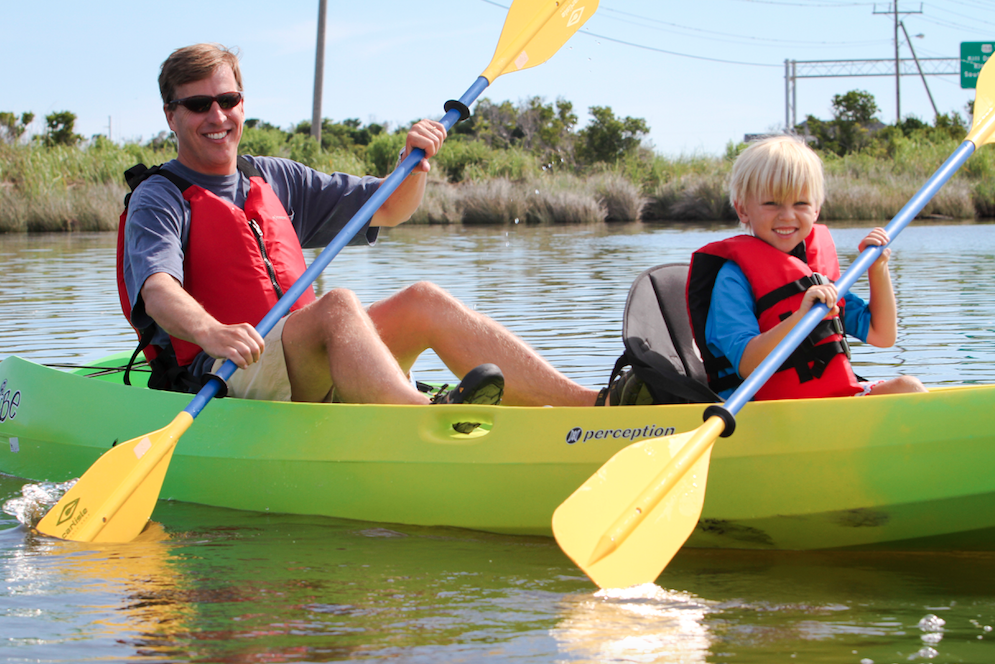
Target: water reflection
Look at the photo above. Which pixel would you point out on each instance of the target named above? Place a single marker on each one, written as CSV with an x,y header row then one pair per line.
x,y
816,606
230,586
641,624
120,594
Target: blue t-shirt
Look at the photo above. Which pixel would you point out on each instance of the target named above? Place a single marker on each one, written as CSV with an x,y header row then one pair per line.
x,y
732,320
158,224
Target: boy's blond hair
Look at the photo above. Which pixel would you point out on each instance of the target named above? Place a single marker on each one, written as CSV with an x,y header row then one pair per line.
x,y
777,168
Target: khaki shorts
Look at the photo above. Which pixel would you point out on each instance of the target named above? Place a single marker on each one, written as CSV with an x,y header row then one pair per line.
x,y
266,379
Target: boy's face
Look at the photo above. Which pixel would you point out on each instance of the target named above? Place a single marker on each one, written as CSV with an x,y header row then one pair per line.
x,y
781,224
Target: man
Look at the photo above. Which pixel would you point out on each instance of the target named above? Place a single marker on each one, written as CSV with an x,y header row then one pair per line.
x,y
186,272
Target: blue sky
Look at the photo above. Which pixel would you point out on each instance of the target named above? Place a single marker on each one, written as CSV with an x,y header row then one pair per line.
x,y
701,73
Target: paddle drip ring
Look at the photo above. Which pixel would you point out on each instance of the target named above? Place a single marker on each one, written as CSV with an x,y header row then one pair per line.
x,y
464,112
727,417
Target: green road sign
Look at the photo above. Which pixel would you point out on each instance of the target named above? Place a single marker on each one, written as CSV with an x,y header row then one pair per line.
x,y
973,55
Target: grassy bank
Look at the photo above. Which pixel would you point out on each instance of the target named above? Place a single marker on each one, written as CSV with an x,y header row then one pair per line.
x,y
66,188
82,188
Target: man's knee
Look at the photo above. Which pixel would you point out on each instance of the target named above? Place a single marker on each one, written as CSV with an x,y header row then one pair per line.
x,y
418,298
339,301
423,292
335,310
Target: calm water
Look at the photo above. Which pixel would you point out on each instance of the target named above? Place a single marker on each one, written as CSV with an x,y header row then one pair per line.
x,y
216,585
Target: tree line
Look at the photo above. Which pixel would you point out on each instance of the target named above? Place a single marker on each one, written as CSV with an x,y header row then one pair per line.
x,y
59,128
546,132
532,156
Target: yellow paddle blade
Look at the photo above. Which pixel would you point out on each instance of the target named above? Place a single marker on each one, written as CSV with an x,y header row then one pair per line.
x,y
983,127
534,31
114,499
626,522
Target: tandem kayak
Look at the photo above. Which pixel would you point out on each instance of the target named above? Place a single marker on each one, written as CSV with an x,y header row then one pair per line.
x,y
887,472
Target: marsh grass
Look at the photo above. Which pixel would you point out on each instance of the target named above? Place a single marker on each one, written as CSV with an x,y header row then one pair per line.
x,y
621,198
561,199
497,201
67,188
442,205
82,188
691,197
93,207
564,207
883,198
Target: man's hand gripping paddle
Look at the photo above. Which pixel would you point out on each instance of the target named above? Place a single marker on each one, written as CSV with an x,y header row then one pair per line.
x,y
625,523
113,500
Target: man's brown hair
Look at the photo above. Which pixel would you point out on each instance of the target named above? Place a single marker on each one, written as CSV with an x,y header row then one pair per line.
x,y
195,63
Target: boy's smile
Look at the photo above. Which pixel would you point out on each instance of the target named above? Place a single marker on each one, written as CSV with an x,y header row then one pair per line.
x,y
781,224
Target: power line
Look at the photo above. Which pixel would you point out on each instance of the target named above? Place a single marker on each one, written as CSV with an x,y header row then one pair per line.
x,y
980,5
956,26
654,49
723,35
809,4
974,19
682,55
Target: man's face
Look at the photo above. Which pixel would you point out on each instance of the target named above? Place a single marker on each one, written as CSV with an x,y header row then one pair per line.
x,y
208,142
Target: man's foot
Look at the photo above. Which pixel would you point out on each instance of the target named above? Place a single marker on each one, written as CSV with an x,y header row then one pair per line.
x,y
482,385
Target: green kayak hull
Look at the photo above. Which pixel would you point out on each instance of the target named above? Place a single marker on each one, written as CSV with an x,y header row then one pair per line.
x,y
888,472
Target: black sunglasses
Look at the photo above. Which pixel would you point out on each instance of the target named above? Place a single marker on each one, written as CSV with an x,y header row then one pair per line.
x,y
203,103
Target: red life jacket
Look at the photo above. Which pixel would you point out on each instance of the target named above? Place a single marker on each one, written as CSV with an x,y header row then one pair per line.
x,y
820,367
237,262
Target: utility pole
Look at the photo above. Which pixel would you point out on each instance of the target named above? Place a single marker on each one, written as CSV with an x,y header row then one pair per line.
x,y
908,41
319,72
893,10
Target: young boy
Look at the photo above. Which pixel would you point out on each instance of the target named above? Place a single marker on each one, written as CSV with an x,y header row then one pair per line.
x,y
747,292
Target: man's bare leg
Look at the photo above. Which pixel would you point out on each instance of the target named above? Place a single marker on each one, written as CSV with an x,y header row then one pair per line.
x,y
424,316
333,341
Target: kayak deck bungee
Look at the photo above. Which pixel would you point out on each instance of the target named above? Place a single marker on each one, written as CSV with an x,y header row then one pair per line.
x,y
897,472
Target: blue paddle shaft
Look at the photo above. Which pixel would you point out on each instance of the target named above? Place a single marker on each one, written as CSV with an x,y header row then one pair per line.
x,y
356,224
867,257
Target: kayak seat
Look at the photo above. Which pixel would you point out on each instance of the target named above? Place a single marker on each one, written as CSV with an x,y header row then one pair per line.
x,y
659,346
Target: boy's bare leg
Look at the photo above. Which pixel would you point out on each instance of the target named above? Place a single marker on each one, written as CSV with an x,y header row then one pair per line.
x,y
900,385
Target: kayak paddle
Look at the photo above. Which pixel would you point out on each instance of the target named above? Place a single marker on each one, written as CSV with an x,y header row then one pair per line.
x,y
628,520
114,499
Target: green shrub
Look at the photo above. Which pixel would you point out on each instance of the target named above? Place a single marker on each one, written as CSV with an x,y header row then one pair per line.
x,y
983,198
263,142
456,157
382,152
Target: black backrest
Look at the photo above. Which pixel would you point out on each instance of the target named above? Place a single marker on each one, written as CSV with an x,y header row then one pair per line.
x,y
656,320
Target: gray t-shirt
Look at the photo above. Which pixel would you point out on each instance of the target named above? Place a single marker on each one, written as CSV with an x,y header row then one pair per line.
x,y
158,225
